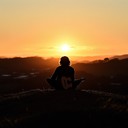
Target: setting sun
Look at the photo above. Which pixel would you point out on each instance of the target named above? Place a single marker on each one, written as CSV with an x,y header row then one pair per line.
x,y
65,47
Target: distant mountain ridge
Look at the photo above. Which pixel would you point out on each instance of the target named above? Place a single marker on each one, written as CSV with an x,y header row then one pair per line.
x,y
75,58
86,59
124,56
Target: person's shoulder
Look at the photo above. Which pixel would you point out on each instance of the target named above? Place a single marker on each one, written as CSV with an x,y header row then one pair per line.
x,y
58,68
71,68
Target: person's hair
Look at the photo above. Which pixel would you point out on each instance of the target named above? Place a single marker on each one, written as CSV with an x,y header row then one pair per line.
x,y
64,61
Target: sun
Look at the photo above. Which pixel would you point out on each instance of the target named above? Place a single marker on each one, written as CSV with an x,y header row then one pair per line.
x,y
65,47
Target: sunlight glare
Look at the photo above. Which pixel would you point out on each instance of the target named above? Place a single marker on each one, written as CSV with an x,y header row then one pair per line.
x,y
65,47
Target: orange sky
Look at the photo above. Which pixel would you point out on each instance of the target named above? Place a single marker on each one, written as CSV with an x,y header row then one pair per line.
x,y
40,27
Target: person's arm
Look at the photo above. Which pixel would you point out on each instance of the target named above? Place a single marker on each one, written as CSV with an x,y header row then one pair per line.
x,y
72,76
54,76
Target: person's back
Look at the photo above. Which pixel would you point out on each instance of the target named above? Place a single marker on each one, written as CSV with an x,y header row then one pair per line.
x,y
63,77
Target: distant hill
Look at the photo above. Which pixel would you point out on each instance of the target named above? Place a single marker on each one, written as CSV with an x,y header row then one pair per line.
x,y
101,67
120,56
86,59
19,64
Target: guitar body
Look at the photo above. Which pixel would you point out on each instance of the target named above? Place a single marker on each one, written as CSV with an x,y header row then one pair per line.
x,y
66,82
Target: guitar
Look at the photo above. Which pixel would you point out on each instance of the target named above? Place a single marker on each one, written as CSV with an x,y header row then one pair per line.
x,y
66,82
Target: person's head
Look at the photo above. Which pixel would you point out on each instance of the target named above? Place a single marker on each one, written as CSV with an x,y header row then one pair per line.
x,y
64,61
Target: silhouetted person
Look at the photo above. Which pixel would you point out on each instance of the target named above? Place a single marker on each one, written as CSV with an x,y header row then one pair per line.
x,y
63,77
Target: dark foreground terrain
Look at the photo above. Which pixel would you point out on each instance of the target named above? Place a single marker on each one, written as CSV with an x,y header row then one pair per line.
x,y
49,108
